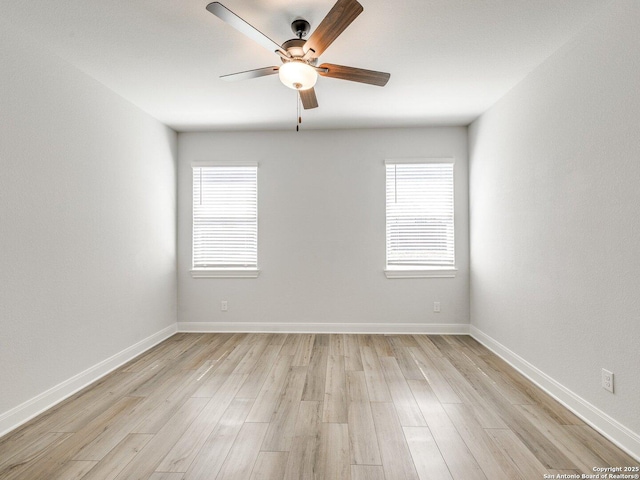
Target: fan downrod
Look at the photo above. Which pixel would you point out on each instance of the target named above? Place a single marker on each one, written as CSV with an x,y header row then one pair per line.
x,y
300,27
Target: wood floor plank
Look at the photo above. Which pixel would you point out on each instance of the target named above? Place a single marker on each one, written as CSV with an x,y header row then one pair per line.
x,y
109,437
165,379
11,459
281,429
553,408
224,367
335,442
88,404
402,340
406,361
316,375
441,343
17,468
472,344
155,410
58,456
381,346
365,341
406,406
335,391
376,383
362,435
394,451
270,466
303,459
277,339
185,449
185,360
503,383
458,382
211,456
427,346
167,398
336,344
461,462
517,453
602,447
488,412
431,374
147,359
487,415
492,461
309,419
257,377
251,358
269,395
145,462
166,476
367,472
290,345
545,450
243,454
357,386
112,464
579,455
426,454
352,358
166,350
73,470
213,345
304,351
76,411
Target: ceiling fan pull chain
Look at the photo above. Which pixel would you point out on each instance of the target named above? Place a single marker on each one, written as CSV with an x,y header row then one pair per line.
x,y
298,111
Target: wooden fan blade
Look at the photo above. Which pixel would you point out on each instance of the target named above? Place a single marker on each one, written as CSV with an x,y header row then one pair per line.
x,y
337,20
354,74
226,15
308,98
258,72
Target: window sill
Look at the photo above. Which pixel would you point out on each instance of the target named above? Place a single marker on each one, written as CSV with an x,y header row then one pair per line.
x,y
225,273
437,272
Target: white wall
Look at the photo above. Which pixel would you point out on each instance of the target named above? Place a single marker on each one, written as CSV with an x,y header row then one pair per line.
x,y
321,231
554,194
87,226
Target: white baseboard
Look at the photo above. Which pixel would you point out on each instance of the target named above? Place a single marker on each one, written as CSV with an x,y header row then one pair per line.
x,y
24,412
391,328
623,437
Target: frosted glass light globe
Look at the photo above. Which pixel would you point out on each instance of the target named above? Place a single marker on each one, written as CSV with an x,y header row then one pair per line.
x,y
297,75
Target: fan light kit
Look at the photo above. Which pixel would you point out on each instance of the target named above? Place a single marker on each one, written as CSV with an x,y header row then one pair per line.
x,y
299,70
298,75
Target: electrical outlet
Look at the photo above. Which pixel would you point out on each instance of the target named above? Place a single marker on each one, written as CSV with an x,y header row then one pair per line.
x,y
436,307
607,380
224,306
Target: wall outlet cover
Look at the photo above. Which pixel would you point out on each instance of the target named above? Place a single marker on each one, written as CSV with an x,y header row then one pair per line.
x,y
607,380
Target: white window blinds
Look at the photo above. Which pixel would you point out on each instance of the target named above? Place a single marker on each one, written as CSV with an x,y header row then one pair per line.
x,y
420,229
225,216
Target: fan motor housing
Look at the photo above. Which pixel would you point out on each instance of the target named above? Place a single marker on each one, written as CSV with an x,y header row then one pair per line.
x,y
294,46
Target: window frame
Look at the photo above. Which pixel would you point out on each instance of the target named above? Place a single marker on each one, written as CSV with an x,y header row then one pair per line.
x,y
419,271
224,272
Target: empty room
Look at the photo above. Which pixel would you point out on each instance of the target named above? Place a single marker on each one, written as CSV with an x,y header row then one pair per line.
x,y
352,239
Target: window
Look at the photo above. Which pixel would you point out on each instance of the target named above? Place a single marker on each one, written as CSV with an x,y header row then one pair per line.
x,y
225,220
420,226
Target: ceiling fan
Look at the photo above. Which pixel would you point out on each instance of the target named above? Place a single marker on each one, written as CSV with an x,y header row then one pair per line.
x,y
299,69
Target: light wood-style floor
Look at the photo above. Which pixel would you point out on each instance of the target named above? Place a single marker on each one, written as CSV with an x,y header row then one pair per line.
x,y
277,406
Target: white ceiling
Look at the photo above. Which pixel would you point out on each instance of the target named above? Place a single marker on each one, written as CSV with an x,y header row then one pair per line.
x,y
449,60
